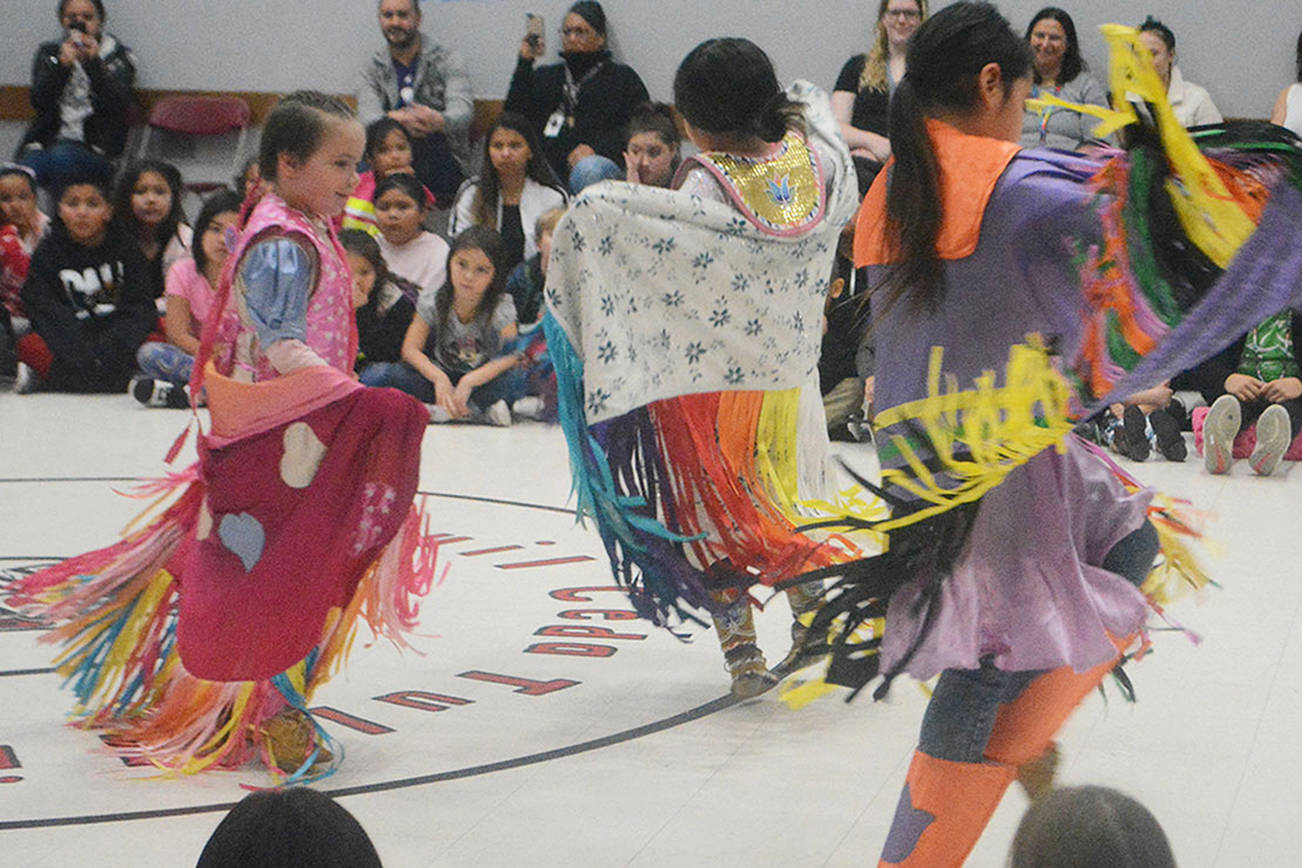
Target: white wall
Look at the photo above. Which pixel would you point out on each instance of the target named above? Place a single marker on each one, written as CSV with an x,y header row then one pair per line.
x,y
1242,52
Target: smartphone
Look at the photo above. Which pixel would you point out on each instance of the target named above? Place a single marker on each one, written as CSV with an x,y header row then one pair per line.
x,y
533,32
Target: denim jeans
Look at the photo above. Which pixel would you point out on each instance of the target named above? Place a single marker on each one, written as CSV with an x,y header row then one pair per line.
x,y
962,710
592,169
64,160
160,361
507,386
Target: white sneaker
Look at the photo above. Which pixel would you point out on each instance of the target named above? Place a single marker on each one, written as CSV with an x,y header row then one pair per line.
x,y
529,407
158,393
498,414
26,380
1273,437
437,415
1220,427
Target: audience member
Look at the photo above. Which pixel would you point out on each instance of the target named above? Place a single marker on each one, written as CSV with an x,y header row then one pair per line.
x,y
410,251
1192,104
383,302
22,226
862,96
424,87
652,145
147,202
1260,379
81,91
458,355
165,367
513,191
1059,70
1288,108
292,828
526,281
388,151
845,360
578,107
1090,827
249,176
88,297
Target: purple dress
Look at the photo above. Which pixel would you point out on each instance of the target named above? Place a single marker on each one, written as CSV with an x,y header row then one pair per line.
x,y
1027,588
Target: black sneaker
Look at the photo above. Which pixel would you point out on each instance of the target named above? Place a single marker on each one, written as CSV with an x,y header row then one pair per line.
x,y
1170,442
159,393
1134,435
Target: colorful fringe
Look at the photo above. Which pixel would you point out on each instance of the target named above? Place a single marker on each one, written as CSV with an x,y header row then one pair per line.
x,y
118,608
711,479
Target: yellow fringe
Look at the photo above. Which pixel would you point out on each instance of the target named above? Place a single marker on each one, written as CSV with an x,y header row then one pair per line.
x,y
999,426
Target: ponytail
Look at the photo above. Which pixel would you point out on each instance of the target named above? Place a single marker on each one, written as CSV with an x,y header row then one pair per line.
x,y
913,212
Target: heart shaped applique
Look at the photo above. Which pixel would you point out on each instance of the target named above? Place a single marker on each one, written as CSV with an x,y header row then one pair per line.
x,y
243,535
302,456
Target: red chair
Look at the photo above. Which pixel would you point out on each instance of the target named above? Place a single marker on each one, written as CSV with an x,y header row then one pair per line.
x,y
201,117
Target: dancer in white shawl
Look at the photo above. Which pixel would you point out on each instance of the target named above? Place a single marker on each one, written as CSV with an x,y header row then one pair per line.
x,y
685,326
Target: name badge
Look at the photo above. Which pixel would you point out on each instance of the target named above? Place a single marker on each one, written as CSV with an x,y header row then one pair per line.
x,y
555,124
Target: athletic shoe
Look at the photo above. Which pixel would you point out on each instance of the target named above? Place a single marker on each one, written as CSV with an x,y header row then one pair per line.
x,y
1220,427
1170,442
26,380
437,415
529,407
1273,437
498,414
1134,435
159,393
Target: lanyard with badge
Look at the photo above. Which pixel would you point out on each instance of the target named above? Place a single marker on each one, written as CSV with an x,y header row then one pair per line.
x,y
563,117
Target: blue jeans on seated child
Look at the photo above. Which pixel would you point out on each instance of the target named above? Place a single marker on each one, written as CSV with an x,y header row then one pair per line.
x,y
961,714
592,169
507,386
159,361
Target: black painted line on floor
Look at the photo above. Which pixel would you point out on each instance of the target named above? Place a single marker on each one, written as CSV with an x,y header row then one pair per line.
x,y
10,673
446,494
636,732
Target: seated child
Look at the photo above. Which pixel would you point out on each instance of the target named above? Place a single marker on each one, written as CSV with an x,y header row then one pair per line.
x,y
845,362
388,152
652,145
1261,380
165,368
525,284
458,354
88,297
1143,422
409,251
147,202
516,186
22,226
383,302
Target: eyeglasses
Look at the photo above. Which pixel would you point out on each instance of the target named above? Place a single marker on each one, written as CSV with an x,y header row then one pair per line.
x,y
905,14
578,32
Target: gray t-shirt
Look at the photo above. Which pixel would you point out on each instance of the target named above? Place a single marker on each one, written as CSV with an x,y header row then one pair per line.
x,y
461,347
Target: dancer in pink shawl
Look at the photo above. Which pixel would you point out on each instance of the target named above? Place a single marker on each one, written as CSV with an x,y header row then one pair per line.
x,y
198,641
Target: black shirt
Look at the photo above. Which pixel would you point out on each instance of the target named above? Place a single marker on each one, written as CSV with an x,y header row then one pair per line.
x,y
871,107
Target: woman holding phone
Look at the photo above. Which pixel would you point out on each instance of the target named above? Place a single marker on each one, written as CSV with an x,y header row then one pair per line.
x,y
81,89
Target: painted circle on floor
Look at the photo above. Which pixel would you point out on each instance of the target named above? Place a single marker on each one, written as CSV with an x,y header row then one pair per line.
x,y
525,652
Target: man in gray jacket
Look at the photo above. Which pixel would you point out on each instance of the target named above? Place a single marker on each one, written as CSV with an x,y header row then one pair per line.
x,y
425,88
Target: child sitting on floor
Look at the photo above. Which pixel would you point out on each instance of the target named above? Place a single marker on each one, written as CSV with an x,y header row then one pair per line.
x,y
383,303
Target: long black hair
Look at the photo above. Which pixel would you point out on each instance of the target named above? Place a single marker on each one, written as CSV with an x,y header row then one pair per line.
x,y
488,190
728,86
946,54
377,132
487,240
1299,56
126,186
1072,63
218,203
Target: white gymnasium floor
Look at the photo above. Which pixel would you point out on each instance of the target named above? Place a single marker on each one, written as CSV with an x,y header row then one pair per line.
x,y
636,762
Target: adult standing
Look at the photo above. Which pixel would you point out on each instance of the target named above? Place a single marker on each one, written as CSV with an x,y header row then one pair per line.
x,y
424,87
81,91
862,96
1192,104
1059,70
580,106
1288,108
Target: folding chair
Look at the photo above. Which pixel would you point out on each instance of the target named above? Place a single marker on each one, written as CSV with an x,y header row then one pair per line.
x,y
201,117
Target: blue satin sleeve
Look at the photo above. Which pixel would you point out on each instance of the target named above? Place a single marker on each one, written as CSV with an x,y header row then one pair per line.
x,y
277,279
